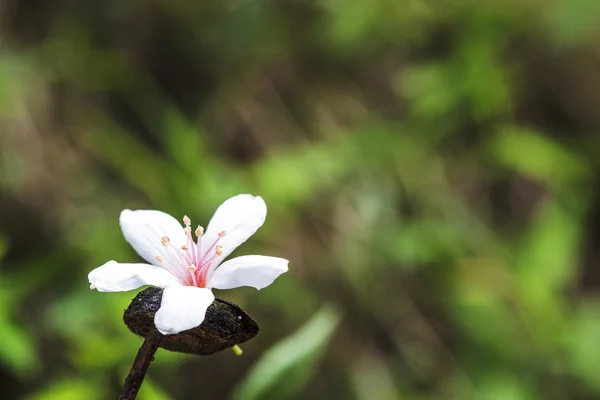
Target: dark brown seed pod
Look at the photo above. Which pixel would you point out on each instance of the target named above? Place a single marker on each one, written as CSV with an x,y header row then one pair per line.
x,y
224,326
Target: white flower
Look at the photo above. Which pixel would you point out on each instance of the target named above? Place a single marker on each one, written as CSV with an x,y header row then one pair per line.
x,y
188,269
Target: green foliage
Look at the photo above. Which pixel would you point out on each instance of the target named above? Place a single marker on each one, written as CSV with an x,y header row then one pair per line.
x,y
430,168
546,161
69,389
289,364
17,349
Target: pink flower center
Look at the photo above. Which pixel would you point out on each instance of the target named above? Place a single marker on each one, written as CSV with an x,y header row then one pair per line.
x,y
189,263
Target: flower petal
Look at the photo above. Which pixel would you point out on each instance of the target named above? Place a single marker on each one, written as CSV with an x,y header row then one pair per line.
x,y
182,308
144,229
255,271
239,217
118,277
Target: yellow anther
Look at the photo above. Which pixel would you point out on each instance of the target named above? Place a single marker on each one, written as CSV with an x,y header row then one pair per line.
x,y
219,247
159,259
165,240
237,350
186,220
219,253
192,267
199,231
222,233
184,248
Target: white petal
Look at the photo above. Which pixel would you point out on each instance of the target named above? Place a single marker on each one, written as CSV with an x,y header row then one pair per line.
x,y
182,308
144,229
239,217
255,271
118,277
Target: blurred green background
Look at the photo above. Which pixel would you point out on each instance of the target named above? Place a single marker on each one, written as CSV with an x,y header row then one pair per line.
x,y
431,169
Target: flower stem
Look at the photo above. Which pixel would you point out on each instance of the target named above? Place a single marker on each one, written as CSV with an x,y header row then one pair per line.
x,y
142,361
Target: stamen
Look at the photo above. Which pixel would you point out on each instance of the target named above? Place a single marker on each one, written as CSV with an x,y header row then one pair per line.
x,y
190,245
237,350
222,234
216,247
92,286
173,253
192,270
199,232
172,260
172,256
181,256
186,220
206,262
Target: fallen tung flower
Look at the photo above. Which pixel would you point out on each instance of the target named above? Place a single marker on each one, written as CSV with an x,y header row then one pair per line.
x,y
188,269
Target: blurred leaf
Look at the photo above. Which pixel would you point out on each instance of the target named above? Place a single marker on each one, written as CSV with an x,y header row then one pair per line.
x,y
372,379
17,347
546,259
15,79
186,145
491,323
431,89
146,170
294,176
550,249
569,20
581,340
70,389
285,367
351,22
504,386
151,391
426,241
484,82
528,152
